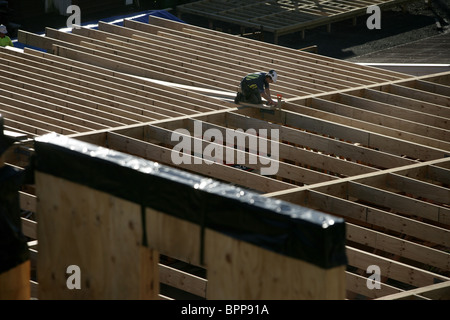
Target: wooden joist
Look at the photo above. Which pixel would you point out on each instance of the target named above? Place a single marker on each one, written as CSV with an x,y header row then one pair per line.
x,y
438,291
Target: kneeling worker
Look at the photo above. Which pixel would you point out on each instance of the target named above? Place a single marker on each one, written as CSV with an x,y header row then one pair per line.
x,y
255,85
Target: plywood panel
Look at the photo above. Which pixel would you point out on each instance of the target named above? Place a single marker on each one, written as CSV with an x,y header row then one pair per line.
x,y
229,261
112,230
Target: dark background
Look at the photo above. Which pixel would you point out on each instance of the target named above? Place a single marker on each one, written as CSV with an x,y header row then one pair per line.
x,y
416,20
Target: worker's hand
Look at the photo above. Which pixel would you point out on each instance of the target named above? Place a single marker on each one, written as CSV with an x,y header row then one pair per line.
x,y
272,103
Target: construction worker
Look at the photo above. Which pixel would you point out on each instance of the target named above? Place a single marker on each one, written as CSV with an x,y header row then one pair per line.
x,y
4,39
256,85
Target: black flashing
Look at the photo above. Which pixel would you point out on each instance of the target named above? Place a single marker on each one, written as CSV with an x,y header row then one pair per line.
x,y
276,225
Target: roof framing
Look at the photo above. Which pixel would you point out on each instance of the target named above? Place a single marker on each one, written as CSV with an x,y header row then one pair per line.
x,y
281,17
365,144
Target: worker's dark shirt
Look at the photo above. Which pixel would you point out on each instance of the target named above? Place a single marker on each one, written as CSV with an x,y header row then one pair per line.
x,y
256,80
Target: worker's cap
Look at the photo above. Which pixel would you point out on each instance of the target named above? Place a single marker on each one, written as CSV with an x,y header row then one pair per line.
x,y
3,29
273,75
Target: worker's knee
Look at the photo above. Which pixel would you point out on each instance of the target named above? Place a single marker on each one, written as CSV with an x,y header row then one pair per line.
x,y
255,99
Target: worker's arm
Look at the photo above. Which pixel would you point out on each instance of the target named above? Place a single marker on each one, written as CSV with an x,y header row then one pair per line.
x,y
266,95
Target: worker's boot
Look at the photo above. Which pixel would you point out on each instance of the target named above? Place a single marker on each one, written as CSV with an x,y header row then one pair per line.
x,y
238,98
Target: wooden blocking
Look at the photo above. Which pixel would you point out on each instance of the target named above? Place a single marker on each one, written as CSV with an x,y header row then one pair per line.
x,y
243,271
99,233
